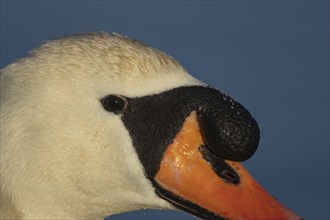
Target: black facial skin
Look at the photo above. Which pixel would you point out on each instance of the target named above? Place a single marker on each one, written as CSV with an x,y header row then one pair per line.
x,y
228,129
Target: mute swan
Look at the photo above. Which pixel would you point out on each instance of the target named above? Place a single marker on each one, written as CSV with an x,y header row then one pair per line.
x,y
96,124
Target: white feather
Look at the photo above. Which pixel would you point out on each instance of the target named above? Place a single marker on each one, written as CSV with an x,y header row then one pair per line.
x,y
62,155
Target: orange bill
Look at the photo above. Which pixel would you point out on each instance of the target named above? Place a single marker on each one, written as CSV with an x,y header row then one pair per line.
x,y
219,189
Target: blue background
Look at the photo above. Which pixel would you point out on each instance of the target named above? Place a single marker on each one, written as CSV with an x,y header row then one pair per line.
x,y
272,56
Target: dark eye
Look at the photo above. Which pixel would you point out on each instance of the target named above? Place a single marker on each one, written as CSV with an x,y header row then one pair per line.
x,y
113,103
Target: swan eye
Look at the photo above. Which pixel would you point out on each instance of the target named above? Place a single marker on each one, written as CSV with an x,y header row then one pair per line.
x,y
114,103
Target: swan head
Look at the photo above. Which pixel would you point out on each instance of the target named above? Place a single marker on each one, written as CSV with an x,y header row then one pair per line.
x,y
96,124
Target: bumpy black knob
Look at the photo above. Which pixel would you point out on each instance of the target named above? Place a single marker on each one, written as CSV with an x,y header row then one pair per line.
x,y
228,129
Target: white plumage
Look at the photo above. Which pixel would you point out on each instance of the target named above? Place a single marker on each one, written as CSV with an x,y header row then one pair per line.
x,y
62,156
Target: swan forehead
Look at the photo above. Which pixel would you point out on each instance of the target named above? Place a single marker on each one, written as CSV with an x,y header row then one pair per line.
x,y
103,63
